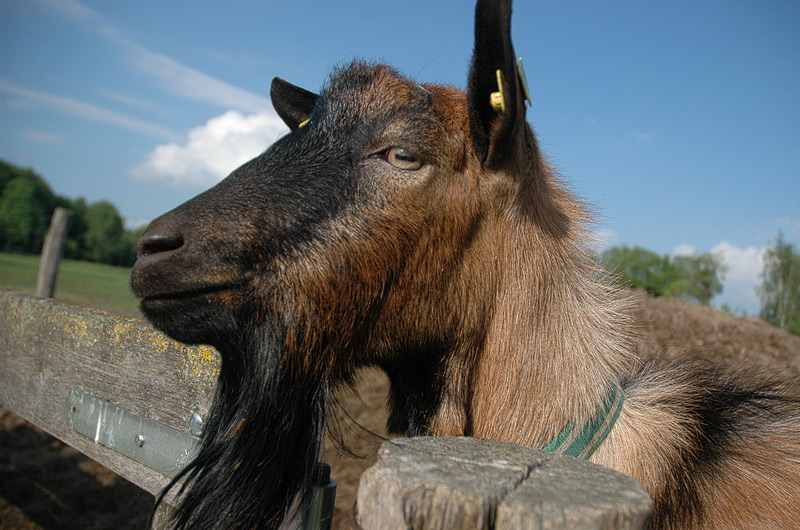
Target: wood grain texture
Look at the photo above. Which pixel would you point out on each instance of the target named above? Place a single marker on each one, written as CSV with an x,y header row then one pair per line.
x,y
468,484
47,349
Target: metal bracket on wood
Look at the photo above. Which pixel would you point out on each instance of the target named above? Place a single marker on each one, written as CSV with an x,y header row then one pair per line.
x,y
153,444
167,450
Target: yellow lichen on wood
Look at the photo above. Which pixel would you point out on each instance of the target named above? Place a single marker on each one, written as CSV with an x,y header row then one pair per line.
x,y
122,332
12,318
202,360
76,327
162,344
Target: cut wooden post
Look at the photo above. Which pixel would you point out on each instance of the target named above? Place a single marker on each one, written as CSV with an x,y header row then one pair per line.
x,y
469,484
52,250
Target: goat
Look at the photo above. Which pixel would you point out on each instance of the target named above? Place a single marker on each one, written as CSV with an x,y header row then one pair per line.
x,y
420,229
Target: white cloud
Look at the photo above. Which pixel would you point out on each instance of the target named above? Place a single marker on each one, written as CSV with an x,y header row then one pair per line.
x,y
642,136
684,249
189,83
604,238
744,265
211,151
135,225
744,268
69,8
169,74
42,137
88,111
131,101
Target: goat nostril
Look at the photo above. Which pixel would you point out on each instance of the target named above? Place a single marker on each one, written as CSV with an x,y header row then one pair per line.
x,y
159,242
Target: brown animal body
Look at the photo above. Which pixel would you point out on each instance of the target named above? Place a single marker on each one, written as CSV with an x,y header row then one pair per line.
x,y
416,228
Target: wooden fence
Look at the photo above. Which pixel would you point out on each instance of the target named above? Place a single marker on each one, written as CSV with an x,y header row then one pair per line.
x,y
120,392
134,400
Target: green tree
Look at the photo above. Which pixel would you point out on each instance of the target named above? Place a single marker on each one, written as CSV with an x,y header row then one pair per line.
x,y
700,277
641,268
104,231
96,231
26,204
697,278
75,245
780,290
7,172
24,214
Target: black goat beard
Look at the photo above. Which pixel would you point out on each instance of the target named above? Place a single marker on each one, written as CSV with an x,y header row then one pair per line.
x,y
261,443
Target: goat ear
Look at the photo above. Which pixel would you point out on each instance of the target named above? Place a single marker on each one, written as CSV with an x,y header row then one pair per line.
x,y
292,103
497,131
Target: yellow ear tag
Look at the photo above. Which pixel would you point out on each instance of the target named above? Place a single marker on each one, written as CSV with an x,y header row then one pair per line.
x,y
303,124
496,98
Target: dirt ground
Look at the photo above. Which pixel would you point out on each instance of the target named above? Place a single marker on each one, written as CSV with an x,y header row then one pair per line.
x,y
46,484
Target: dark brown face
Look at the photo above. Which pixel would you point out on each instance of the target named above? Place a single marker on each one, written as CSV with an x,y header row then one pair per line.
x,y
324,222
199,264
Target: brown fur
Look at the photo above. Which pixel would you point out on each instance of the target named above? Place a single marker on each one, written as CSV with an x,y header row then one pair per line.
x,y
467,280
539,331
558,332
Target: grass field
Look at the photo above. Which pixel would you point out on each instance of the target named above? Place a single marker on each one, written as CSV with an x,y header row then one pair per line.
x,y
79,283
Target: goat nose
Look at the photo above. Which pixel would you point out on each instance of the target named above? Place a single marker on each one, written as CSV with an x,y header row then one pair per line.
x,y
155,241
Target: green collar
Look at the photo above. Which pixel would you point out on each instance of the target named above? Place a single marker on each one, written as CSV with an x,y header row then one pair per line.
x,y
584,442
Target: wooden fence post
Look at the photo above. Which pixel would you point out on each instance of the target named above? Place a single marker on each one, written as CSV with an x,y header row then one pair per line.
x,y
470,484
52,251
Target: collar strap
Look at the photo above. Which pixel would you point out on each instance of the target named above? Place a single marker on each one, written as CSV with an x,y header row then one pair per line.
x,y
583,442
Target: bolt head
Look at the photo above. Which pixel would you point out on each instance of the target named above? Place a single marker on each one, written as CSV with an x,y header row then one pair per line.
x,y
196,424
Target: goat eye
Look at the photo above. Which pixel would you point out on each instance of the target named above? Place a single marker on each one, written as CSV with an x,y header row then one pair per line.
x,y
403,159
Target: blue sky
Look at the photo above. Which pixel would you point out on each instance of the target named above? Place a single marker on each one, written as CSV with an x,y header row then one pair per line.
x,y
678,121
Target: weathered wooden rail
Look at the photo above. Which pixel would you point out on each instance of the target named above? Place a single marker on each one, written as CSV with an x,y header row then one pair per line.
x,y
62,368
134,400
